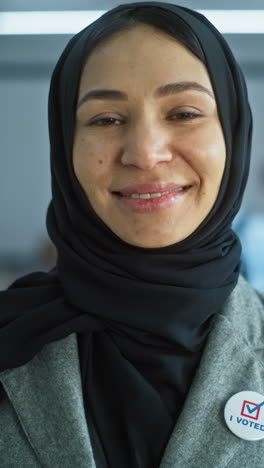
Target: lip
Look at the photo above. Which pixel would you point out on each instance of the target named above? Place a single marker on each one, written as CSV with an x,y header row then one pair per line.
x,y
150,205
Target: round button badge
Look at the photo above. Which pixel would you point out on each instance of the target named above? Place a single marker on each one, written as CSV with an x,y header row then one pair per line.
x,y
244,415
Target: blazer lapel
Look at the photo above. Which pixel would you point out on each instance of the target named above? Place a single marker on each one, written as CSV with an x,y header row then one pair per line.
x,y
229,365
46,394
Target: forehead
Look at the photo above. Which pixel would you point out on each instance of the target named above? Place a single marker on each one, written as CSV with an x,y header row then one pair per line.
x,y
143,53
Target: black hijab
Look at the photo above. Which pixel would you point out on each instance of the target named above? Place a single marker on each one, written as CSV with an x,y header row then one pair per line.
x,y
141,315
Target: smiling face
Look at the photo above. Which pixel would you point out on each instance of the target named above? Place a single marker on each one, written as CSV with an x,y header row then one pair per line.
x,y
150,154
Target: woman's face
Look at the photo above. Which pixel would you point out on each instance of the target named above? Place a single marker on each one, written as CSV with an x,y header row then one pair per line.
x,y
149,150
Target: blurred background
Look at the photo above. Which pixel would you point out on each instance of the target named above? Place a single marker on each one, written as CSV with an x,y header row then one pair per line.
x,y
27,58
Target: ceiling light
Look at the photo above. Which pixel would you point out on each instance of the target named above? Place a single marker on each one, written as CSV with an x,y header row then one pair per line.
x,y
70,22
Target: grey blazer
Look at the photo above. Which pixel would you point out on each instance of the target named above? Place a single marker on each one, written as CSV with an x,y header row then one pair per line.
x,y
42,419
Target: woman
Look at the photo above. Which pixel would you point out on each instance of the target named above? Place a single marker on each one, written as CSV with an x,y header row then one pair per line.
x,y
126,354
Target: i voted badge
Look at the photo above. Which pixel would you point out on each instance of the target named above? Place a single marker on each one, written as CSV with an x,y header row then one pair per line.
x,y
244,415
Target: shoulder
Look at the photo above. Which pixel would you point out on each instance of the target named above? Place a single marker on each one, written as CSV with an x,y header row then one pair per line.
x,y
244,309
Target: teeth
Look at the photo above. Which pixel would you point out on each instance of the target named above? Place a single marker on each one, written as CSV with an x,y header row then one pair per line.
x,y
150,195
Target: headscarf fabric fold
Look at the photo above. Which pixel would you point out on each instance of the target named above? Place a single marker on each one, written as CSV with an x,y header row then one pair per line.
x,y
142,316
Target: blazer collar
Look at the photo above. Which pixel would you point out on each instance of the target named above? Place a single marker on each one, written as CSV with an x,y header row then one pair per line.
x,y
46,394
230,364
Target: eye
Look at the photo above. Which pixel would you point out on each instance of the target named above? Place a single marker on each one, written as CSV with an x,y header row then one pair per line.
x,y
185,115
105,122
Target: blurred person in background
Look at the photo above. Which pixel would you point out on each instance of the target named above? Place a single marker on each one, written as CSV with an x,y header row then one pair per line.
x,y
127,351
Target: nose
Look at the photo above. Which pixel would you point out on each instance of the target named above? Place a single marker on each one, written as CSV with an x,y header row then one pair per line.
x,y
146,146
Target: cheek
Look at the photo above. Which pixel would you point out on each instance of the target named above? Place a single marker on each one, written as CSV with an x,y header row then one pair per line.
x,y
91,164
208,154
86,156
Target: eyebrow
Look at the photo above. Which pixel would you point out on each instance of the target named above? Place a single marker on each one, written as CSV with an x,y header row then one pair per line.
x,y
162,91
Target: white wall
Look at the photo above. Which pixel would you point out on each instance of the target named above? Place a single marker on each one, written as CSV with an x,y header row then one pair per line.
x,y
24,164
254,196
